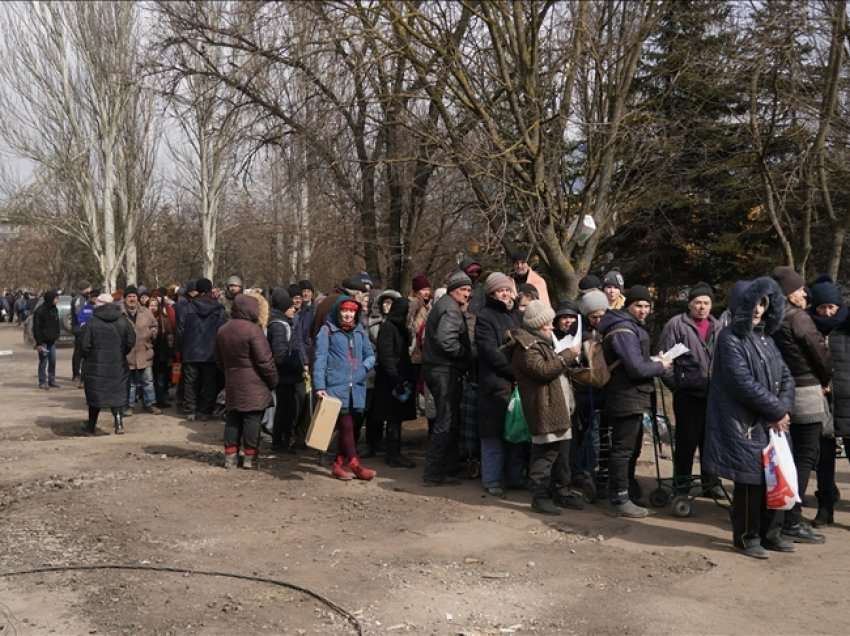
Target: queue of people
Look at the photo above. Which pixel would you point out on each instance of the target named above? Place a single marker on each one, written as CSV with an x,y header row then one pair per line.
x,y
584,374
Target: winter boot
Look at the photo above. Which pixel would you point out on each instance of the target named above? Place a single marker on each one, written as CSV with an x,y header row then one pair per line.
x,y
544,506
90,427
118,418
752,547
339,470
360,471
231,458
628,509
824,517
394,457
248,462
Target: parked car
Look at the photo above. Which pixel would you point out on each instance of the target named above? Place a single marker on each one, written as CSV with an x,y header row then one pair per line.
x,y
66,335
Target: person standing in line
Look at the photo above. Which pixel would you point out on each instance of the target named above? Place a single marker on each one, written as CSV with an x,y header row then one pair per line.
x,y
45,332
290,370
163,350
751,391
524,274
613,285
140,359
77,303
107,340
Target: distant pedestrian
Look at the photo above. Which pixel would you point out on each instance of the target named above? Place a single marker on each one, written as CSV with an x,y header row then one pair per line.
x,y
46,330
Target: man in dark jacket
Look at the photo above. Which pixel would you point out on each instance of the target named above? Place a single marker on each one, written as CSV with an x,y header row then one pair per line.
x,y
628,395
697,329
447,349
45,332
197,325
77,303
805,352
290,369
244,355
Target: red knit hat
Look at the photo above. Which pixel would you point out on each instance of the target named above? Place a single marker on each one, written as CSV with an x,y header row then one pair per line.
x,y
420,282
349,304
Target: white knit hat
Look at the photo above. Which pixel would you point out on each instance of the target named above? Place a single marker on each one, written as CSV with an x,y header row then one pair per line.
x,y
592,301
537,314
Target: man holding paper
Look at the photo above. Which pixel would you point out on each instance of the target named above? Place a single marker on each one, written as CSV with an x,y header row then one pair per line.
x,y
696,331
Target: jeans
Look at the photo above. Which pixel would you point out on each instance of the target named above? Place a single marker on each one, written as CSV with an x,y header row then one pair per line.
x,y
242,428
549,470
626,439
200,387
446,385
143,378
805,446
502,463
751,518
47,364
690,434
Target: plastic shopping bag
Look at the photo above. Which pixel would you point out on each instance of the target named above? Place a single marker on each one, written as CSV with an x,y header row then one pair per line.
x,y
516,428
780,473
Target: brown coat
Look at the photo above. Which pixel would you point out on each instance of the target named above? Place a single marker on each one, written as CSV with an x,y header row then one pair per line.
x,y
141,357
243,353
538,369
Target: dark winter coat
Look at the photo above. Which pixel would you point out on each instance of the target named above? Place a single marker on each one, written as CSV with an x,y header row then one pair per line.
x,y
495,372
45,321
105,343
284,346
804,349
243,353
197,324
751,387
343,360
631,387
839,347
394,366
538,370
447,342
146,328
691,372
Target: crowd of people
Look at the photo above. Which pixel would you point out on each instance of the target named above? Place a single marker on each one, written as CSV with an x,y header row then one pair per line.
x,y
477,352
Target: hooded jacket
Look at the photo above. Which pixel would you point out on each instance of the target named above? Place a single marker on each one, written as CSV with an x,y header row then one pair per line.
x,y
631,387
45,321
105,343
751,387
343,359
394,365
197,325
839,347
243,353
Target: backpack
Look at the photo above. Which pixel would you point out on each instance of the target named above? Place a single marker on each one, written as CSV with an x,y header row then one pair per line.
x,y
597,373
293,359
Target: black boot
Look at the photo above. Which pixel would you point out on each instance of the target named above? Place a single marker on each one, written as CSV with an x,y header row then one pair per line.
x,y
393,456
118,418
824,517
90,427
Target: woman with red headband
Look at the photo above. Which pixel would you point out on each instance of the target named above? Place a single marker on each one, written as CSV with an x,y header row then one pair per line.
x,y
344,357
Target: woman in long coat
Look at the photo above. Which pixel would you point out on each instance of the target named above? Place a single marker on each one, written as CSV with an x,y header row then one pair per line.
x,y
751,392
107,339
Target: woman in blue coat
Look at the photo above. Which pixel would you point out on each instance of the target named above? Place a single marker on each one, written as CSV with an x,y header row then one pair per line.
x,y
751,392
344,357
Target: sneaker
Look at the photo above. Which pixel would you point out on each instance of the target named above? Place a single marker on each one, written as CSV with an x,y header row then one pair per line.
x,y
544,506
753,550
802,533
153,410
569,500
495,491
627,509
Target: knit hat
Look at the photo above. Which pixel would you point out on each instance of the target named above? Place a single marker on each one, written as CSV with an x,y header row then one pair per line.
x,y
130,289
366,279
234,280
498,280
537,314
420,281
203,285
306,284
354,283
103,299
350,304
456,280
591,281
594,300
636,294
614,279
825,292
701,289
789,280
281,300
293,291
566,308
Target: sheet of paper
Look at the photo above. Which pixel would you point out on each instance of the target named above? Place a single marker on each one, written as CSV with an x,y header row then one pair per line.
x,y
567,342
672,353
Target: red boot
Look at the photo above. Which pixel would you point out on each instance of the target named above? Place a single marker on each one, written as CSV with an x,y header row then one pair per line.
x,y
361,472
339,470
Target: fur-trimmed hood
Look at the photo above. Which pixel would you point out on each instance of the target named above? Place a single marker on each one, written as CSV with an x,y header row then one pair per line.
x,y
743,299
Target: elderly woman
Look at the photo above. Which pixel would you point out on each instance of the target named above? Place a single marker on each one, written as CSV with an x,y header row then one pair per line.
x,y
495,383
547,403
751,391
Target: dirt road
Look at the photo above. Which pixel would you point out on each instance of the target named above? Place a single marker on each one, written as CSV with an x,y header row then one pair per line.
x,y
400,557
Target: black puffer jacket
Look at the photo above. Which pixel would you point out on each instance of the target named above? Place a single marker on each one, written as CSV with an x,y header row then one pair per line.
x,y
447,336
106,341
804,349
839,347
282,339
394,366
751,387
45,321
495,373
197,325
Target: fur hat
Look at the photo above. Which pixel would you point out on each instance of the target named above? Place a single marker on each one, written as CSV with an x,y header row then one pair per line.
x,y
537,314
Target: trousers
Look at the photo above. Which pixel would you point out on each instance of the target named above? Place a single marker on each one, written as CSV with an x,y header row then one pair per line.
x,y
446,386
549,470
751,518
805,447
200,387
242,428
626,440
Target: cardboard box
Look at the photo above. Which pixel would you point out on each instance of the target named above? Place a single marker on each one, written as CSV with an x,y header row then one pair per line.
x,y
323,423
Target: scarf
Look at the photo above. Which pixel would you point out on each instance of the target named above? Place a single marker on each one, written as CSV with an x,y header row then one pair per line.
x,y
827,325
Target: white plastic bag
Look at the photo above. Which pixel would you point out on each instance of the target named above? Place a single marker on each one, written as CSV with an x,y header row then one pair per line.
x,y
780,473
